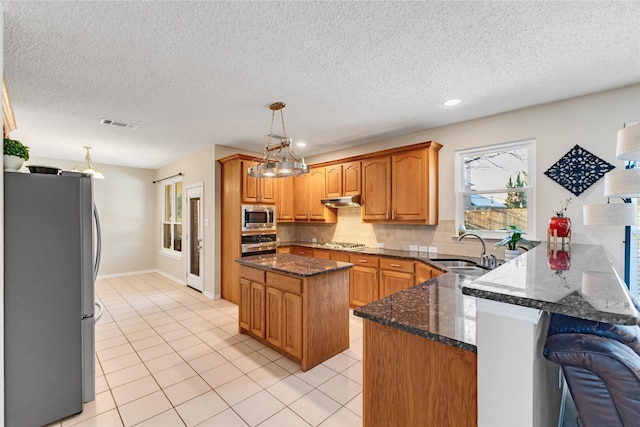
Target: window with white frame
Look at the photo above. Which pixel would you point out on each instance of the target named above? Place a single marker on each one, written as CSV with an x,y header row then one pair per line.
x,y
171,233
495,188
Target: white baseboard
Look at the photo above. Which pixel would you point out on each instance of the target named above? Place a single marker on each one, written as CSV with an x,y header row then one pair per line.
x,y
128,273
162,273
168,276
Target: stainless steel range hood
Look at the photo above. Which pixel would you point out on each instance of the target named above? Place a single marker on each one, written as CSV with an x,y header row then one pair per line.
x,y
342,202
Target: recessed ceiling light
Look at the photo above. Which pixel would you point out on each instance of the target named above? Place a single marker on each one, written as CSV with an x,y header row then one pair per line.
x,y
301,144
451,102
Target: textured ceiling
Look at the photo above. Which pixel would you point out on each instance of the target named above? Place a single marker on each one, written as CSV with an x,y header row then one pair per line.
x,y
194,74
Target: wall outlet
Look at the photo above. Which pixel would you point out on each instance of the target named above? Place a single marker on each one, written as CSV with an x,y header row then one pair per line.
x,y
277,240
314,240
433,250
413,248
380,245
424,249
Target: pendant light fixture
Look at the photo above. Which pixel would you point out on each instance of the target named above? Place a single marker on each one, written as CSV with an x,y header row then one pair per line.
x,y
87,167
279,159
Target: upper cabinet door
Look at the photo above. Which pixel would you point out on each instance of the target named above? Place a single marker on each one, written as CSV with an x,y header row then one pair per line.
x,y
317,193
334,181
376,189
249,184
284,202
409,186
351,179
256,190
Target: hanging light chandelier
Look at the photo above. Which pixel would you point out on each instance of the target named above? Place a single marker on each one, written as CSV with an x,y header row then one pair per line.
x,y
279,159
87,167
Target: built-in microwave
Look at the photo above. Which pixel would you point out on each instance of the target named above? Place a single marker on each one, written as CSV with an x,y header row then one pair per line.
x,y
258,217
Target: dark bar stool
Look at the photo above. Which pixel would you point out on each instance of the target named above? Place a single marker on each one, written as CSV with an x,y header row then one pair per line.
x,y
601,364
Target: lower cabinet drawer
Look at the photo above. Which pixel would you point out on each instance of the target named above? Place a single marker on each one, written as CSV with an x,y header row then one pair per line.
x,y
252,274
397,265
284,283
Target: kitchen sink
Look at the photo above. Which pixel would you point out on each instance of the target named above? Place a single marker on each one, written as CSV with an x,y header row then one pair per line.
x,y
471,271
455,262
462,266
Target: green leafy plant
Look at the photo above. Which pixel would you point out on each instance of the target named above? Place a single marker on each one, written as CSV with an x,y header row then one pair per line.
x,y
513,239
14,147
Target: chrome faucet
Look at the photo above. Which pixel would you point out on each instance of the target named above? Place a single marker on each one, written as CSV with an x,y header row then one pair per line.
x,y
487,260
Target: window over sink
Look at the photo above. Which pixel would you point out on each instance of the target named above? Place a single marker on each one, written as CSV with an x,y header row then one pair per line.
x,y
171,233
495,187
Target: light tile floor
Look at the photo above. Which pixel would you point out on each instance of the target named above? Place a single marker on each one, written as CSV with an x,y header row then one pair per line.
x,y
168,356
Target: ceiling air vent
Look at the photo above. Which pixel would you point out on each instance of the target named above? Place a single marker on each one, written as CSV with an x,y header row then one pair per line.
x,y
118,124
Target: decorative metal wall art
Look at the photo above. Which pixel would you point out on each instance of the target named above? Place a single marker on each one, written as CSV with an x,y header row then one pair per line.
x,y
578,170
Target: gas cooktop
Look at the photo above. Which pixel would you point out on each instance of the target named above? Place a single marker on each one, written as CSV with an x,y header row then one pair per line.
x,y
343,245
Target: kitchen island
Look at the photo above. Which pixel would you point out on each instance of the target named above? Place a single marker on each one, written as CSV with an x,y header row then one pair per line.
x,y
297,305
467,351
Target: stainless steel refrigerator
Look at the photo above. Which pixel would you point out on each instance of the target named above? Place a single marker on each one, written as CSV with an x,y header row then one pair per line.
x,y
51,253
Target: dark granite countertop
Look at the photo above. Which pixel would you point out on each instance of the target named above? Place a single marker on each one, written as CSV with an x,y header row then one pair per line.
x,y
435,309
580,283
293,265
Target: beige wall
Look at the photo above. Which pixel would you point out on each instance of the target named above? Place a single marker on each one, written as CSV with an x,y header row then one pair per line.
x,y
590,121
195,169
125,202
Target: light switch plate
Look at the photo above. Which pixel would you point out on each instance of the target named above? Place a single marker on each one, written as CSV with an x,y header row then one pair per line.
x,y
380,245
413,247
424,249
433,249
314,240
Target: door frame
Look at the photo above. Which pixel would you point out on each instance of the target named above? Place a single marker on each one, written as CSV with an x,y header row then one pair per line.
x,y
187,258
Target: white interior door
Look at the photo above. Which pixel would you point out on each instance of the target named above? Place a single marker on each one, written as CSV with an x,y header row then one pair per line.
x,y
195,237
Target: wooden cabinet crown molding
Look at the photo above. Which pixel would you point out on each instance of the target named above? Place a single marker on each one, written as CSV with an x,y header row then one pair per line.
x,y
433,145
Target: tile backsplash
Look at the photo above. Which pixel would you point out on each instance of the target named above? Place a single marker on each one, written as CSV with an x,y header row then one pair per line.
x,y
350,228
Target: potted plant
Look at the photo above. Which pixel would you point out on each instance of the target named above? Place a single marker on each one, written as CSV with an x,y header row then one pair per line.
x,y
15,154
514,241
559,223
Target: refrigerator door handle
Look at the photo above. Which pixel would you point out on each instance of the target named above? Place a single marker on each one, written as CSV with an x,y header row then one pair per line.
x,y
100,308
96,266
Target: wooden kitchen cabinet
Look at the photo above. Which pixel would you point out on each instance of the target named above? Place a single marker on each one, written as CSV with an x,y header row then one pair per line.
x,y
426,272
233,180
309,190
322,254
292,325
257,190
244,310
414,381
343,179
363,284
257,317
301,251
401,186
274,326
306,319
395,275
284,199
376,189
339,256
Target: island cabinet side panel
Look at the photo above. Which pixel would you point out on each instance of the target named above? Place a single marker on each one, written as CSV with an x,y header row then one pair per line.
x,y
412,381
325,317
